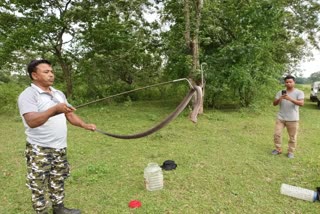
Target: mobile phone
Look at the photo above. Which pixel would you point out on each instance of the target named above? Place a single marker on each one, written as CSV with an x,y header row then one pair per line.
x,y
283,92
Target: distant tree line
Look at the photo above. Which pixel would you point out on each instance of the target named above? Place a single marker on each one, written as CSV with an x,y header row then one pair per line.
x,y
314,77
104,47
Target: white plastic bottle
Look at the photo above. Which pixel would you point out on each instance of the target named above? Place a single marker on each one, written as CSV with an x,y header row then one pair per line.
x,y
153,177
298,192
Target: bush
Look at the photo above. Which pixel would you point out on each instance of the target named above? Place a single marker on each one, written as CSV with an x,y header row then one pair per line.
x,y
9,93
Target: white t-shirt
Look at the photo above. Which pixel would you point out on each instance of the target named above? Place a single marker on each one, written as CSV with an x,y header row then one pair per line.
x,y
289,111
52,133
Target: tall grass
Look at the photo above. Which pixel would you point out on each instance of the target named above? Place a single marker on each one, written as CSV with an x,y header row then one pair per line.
x,y
224,162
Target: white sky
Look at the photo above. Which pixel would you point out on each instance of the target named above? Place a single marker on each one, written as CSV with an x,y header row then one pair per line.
x,y
312,65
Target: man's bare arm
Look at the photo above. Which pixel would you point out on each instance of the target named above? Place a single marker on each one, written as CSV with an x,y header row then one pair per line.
x,y
36,119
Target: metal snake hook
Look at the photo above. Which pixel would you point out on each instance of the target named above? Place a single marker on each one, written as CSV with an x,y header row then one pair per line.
x,y
138,89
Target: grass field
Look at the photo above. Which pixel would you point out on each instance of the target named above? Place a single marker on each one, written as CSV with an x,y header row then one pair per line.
x,y
224,162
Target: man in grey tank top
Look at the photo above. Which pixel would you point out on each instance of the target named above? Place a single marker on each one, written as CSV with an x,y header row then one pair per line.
x,y
289,101
44,111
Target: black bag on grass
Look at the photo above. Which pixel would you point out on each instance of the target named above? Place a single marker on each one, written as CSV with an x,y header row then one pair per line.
x,y
169,165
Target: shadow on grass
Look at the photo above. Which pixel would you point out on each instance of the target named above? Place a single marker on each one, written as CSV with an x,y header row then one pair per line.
x,y
311,105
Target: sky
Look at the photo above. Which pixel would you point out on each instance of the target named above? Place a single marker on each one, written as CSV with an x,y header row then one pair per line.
x,y
312,65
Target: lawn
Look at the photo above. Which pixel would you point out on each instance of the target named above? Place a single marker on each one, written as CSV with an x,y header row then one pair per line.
x,y
224,162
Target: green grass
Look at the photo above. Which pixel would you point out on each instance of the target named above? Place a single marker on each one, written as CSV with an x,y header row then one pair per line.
x,y
224,162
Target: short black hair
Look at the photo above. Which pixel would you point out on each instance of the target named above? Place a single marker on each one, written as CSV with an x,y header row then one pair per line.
x,y
32,66
290,77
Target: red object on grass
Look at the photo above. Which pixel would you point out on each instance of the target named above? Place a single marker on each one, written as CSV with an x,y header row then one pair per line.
x,y
134,204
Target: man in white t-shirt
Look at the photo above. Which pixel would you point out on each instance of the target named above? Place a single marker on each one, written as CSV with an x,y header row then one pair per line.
x,y
44,111
288,116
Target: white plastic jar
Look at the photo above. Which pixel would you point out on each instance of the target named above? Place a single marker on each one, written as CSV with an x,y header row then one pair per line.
x,y
153,177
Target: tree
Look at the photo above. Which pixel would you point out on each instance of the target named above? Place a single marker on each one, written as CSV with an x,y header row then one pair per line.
x,y
40,29
314,77
118,46
247,45
192,20
110,37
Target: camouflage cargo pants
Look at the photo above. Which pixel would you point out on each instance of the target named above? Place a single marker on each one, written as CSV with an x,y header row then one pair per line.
x,y
47,169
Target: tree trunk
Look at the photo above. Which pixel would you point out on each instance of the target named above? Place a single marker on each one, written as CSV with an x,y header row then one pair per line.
x,y
195,52
193,45
187,25
196,62
67,77
66,69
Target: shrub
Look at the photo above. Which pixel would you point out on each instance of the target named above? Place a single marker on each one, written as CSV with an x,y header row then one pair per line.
x,y
9,93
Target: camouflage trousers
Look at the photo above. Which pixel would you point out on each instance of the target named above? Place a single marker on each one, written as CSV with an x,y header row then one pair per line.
x,y
47,169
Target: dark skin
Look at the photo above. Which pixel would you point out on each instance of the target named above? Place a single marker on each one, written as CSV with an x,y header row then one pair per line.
x,y
43,77
289,83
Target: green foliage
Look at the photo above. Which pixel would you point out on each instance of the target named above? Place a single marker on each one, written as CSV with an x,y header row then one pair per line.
x,y
108,41
4,77
302,80
117,93
314,77
101,48
246,46
116,45
248,53
9,93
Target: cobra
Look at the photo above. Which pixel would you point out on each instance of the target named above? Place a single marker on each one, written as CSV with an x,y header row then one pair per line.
x,y
194,90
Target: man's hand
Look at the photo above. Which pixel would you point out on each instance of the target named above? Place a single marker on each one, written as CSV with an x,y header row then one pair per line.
x,y
77,121
286,97
64,108
296,102
277,101
35,119
91,127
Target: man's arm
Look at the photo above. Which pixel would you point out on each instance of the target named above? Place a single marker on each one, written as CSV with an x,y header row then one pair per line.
x,y
299,102
36,119
277,101
77,121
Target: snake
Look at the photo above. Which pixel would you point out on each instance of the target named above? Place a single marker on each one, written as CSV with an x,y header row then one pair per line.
x,y
194,90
